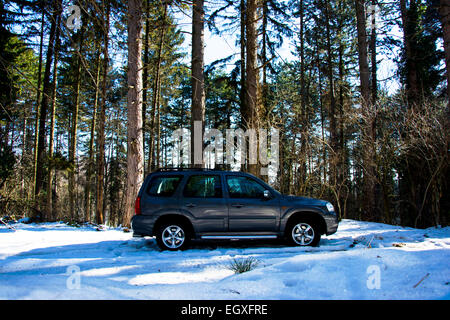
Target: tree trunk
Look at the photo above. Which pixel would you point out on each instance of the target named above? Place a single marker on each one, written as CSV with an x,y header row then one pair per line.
x,y
444,11
362,52
264,61
373,54
38,103
101,124
322,116
367,135
73,141
90,169
46,94
412,84
251,75
342,174
303,106
332,108
198,90
135,162
156,92
145,79
243,57
49,209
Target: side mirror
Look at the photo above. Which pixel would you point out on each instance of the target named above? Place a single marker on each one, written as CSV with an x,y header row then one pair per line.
x,y
267,195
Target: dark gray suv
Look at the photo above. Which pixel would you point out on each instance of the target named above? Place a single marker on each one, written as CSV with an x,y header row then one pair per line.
x,y
177,205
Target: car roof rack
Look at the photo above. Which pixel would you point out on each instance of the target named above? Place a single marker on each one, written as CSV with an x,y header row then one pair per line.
x,y
166,169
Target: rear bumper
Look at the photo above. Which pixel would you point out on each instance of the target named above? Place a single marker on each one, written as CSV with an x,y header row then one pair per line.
x,y
142,225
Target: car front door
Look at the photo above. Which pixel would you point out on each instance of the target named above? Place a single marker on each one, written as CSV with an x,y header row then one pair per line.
x,y
249,210
203,199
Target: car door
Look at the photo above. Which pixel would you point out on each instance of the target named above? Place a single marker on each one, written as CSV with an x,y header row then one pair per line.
x,y
248,209
203,198
160,194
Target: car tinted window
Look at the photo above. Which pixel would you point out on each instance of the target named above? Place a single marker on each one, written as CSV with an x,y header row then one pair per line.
x,y
163,186
244,187
203,186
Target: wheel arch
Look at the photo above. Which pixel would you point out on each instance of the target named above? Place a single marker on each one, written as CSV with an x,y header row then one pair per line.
x,y
171,218
307,214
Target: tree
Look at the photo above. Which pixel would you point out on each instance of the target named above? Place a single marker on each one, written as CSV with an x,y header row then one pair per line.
x,y
155,125
366,106
250,113
78,53
444,11
102,119
49,203
135,161
46,95
198,82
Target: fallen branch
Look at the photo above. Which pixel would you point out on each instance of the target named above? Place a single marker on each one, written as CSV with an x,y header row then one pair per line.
x,y
424,277
368,245
7,225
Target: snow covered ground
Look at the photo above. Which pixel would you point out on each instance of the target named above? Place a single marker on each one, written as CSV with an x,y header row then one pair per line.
x,y
361,261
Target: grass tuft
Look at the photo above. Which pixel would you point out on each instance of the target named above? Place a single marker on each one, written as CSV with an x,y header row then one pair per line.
x,y
243,265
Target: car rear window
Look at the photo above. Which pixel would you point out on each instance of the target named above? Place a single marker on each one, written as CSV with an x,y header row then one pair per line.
x,y
163,186
203,186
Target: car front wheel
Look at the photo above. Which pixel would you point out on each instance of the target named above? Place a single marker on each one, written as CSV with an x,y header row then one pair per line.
x,y
303,233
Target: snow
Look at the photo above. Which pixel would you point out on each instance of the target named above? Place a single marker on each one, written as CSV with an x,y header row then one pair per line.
x,y
361,261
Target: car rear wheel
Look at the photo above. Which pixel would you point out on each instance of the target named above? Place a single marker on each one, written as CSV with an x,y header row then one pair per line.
x,y
303,233
172,236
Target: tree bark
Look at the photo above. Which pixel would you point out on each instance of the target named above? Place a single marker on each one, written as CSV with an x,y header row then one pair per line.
x,y
367,133
243,58
251,63
303,106
90,168
101,125
155,100
444,12
135,161
145,79
73,140
264,60
251,75
38,102
198,85
373,54
334,143
362,52
412,84
46,94
49,209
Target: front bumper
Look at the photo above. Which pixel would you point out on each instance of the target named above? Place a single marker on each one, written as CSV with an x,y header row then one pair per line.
x,y
332,223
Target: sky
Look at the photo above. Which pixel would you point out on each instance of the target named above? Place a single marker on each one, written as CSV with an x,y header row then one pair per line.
x,y
221,46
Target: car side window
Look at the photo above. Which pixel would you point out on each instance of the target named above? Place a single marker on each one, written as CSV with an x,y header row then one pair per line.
x,y
163,186
203,186
244,187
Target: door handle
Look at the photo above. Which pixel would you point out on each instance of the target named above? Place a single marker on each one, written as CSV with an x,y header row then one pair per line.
x,y
237,205
191,205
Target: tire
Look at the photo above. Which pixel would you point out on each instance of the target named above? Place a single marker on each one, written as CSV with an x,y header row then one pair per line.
x,y
173,236
303,232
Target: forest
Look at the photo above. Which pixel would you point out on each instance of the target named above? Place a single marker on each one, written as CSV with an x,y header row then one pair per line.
x,y
91,92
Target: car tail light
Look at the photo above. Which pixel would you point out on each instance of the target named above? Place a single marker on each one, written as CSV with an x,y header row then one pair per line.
x,y
137,206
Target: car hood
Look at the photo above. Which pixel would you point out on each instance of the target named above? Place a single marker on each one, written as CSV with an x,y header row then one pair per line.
x,y
292,200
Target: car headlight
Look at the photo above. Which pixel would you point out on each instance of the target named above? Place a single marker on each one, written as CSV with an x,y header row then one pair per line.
x,y
330,207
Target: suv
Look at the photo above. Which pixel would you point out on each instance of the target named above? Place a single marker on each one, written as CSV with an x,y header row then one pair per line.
x,y
177,205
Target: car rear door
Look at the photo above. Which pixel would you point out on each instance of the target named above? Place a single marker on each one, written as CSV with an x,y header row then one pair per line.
x,y
202,198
